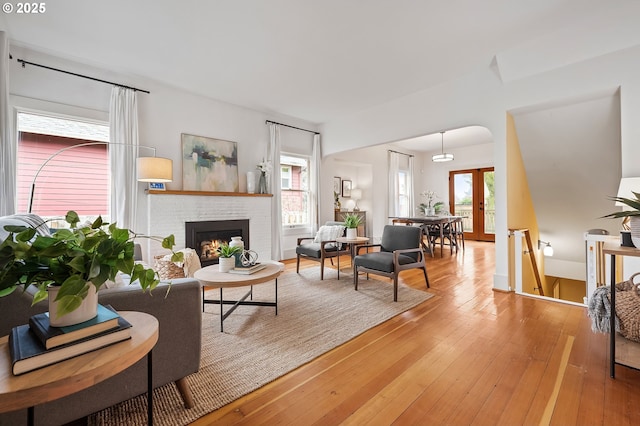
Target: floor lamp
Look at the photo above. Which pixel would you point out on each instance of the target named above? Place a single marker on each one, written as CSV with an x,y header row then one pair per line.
x,y
149,169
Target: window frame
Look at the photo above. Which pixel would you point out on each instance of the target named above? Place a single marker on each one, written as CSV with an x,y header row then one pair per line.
x,y
28,106
296,228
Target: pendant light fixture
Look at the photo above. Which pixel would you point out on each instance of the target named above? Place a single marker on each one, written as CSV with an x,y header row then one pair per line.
x,y
442,157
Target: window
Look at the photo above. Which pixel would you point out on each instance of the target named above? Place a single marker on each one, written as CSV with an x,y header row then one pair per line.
x,y
404,194
285,176
76,178
400,184
295,191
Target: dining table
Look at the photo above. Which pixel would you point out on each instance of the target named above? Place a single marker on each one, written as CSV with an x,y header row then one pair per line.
x,y
438,221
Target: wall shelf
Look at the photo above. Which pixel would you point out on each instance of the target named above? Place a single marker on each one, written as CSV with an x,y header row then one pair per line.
x,y
207,193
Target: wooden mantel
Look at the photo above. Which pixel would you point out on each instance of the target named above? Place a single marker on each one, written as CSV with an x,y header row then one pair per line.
x,y
207,193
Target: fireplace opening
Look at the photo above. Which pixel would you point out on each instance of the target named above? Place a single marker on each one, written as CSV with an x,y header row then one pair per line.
x,y
206,236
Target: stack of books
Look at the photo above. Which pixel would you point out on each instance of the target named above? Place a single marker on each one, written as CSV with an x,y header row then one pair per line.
x,y
248,269
38,344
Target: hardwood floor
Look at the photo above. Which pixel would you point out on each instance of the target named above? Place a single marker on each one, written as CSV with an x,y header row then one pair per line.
x,y
469,356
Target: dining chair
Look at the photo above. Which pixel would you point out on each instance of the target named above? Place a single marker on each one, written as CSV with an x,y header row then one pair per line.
x,y
399,249
445,236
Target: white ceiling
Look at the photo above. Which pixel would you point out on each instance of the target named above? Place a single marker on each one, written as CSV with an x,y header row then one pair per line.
x,y
451,139
315,60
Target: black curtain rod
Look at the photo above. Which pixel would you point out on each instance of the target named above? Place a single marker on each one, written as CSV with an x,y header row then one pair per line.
x,y
398,152
292,127
23,62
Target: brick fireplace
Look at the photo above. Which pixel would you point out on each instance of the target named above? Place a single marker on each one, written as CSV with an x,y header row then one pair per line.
x,y
207,235
169,211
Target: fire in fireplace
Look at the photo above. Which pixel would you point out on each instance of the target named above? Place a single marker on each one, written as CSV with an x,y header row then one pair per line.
x,y
206,236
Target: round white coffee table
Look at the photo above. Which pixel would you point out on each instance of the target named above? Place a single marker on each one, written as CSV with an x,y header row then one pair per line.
x,y
210,277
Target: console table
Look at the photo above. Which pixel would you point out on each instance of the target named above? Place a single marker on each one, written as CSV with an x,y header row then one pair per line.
x,y
622,351
78,373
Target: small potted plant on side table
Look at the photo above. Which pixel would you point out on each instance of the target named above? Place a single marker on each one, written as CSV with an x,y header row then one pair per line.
x,y
352,221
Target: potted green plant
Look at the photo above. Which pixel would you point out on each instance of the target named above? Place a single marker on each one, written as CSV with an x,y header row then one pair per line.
x,y
632,217
74,263
428,207
351,222
226,259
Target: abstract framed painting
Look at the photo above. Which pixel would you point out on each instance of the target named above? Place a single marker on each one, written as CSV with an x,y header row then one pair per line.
x,y
209,164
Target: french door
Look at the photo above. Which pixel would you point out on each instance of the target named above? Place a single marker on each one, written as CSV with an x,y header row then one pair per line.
x,y
472,196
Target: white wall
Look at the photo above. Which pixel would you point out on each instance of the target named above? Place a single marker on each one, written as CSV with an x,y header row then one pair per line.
x,y
481,98
163,114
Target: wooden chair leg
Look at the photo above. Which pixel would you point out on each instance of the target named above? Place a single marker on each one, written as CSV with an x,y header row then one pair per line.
x,y
355,276
426,278
298,264
395,287
185,392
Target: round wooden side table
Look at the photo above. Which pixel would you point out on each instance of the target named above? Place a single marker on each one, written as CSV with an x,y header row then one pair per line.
x,y
78,373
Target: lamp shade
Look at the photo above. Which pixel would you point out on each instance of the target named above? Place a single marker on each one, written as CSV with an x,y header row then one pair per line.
x,y
441,158
155,169
356,194
627,187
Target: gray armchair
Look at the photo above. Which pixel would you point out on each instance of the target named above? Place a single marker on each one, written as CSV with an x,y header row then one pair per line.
x,y
319,251
400,249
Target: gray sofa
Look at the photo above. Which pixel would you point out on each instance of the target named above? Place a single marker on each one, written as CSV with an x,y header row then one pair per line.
x,y
175,356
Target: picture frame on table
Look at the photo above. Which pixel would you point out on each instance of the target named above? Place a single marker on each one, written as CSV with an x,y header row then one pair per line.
x,y
346,188
337,185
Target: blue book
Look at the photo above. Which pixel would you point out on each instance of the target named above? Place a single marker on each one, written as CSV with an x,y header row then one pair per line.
x,y
106,319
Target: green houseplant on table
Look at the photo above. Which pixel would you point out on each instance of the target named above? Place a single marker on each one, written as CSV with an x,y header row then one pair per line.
x,y
226,260
351,222
76,262
631,216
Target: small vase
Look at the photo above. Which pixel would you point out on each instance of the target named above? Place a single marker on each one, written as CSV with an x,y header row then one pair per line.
x,y
352,233
237,242
87,310
251,182
262,183
430,211
225,264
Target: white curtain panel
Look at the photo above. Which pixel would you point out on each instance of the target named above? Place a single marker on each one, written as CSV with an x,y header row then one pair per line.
x,y
394,184
273,155
410,185
123,132
7,142
314,182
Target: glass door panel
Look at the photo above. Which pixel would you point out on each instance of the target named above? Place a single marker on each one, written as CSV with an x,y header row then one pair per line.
x,y
489,204
463,199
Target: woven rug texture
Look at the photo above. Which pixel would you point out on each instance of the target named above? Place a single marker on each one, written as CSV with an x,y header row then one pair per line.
x,y
257,346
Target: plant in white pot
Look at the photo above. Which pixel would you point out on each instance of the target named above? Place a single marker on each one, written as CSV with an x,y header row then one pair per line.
x,y
632,215
351,222
226,258
74,262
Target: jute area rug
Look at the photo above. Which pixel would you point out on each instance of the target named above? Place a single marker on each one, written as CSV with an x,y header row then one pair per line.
x,y
257,346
